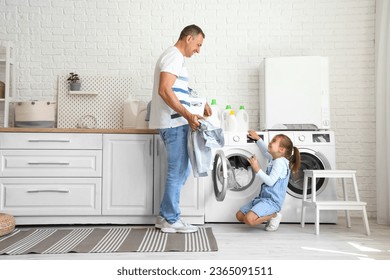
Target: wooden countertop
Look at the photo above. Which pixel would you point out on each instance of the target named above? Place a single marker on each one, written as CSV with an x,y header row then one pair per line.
x,y
78,130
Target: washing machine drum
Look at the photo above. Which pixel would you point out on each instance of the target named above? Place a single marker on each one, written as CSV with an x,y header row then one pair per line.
x,y
232,173
313,160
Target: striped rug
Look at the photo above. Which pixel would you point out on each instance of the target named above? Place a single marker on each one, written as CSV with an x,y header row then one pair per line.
x,y
104,240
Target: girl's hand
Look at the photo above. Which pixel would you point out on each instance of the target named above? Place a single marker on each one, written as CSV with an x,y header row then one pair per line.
x,y
253,135
254,163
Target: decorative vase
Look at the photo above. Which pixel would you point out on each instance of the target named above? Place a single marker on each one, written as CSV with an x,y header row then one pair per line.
x,y
75,86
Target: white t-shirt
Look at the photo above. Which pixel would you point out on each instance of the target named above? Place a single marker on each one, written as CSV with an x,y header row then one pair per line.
x,y
161,115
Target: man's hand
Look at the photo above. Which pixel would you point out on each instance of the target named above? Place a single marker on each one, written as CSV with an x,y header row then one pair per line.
x,y
207,110
193,121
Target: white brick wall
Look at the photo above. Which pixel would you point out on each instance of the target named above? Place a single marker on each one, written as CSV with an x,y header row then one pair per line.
x,y
116,37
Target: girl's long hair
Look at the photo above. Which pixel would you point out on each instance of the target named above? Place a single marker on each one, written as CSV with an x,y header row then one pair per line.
x,y
292,153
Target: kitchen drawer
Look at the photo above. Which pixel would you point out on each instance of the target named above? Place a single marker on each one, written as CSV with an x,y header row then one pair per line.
x,y
61,141
51,163
49,197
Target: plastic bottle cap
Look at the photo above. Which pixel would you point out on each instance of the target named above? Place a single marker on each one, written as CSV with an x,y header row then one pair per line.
x,y
242,107
213,102
228,107
232,112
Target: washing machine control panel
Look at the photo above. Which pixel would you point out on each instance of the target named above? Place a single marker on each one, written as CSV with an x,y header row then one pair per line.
x,y
234,138
307,137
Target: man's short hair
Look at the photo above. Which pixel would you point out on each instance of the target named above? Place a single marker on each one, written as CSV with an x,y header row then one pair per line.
x,y
193,30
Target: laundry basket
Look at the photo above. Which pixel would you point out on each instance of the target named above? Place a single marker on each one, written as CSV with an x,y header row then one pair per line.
x,y
7,224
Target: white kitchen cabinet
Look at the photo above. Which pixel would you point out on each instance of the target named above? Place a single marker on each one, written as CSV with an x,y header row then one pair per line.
x,y
7,76
51,163
50,174
192,194
94,178
127,174
50,141
47,197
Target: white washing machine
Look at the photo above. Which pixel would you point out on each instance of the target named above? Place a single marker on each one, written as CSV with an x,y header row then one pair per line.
x,y
222,200
318,151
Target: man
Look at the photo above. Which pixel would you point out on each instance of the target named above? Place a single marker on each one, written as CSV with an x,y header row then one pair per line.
x,y
171,116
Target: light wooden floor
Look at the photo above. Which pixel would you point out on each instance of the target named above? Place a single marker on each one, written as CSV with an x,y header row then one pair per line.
x,y
290,242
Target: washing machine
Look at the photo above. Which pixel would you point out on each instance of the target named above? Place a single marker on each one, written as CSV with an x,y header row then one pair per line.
x,y
223,198
318,151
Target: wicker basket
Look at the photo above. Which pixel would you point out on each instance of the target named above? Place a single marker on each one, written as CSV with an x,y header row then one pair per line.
x,y
7,224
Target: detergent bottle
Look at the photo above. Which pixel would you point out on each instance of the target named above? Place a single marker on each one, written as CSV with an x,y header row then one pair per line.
x,y
225,116
232,124
215,118
242,119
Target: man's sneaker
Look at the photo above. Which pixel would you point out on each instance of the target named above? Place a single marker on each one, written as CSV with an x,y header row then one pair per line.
x,y
159,222
178,227
273,224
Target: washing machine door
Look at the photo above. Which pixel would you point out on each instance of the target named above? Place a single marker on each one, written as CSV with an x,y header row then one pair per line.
x,y
231,173
309,160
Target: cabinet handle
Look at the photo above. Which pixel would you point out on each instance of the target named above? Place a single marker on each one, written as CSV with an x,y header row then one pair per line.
x,y
150,147
48,163
48,191
46,141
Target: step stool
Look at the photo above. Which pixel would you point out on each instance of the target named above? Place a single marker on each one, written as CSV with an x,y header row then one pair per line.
x,y
345,204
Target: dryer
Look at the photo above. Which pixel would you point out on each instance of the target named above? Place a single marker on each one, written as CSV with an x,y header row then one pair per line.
x,y
302,83
318,151
222,201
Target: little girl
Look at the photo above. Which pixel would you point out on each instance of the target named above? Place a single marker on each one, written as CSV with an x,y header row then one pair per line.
x,y
282,156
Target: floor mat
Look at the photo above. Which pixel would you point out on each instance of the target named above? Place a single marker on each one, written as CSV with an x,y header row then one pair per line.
x,y
104,240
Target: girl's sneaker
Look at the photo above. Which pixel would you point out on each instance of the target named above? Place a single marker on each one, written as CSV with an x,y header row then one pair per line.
x,y
273,224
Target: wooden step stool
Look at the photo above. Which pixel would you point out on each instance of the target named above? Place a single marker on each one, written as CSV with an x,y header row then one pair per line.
x,y
345,204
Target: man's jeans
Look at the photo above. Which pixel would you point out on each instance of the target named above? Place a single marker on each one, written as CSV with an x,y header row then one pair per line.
x,y
175,141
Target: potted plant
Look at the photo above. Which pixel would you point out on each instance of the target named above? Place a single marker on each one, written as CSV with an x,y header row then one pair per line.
x,y
74,81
